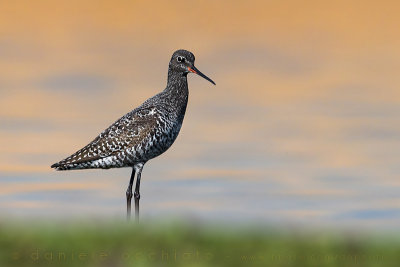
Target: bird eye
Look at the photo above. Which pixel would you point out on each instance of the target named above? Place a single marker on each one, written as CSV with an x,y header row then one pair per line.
x,y
180,59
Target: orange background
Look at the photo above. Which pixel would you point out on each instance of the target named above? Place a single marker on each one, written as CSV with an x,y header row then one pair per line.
x,y
307,97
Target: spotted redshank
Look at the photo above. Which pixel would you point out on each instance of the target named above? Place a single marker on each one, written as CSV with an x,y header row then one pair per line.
x,y
142,134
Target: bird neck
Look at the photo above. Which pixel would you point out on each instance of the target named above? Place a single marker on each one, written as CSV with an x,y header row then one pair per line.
x,y
177,92
177,84
176,78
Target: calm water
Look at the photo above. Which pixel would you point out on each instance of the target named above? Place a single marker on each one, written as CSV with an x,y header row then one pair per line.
x,y
303,127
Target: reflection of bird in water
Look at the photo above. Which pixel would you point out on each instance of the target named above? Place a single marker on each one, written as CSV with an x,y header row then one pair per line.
x,y
143,133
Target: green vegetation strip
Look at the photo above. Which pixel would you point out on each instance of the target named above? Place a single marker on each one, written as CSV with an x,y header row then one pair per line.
x,y
177,244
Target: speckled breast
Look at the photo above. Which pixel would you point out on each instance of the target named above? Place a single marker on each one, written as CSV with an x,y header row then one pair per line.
x,y
158,142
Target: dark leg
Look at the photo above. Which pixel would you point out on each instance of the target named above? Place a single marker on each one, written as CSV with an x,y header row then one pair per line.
x,y
137,191
129,196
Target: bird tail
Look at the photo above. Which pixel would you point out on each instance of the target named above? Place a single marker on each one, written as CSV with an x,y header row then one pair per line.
x,y
55,165
61,167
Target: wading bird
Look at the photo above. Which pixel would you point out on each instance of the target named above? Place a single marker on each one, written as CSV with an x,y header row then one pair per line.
x,y
142,134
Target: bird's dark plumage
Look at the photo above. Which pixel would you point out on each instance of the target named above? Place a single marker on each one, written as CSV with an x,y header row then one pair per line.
x,y
146,131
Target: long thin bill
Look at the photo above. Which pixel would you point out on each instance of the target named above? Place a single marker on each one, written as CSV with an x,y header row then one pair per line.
x,y
195,70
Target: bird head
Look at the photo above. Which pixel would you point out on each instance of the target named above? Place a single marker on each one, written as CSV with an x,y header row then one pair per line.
x,y
183,61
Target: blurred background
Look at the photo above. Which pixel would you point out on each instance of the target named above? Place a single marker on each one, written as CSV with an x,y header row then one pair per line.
x,y
303,127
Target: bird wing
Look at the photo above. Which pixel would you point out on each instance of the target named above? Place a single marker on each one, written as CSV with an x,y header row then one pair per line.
x,y
125,133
